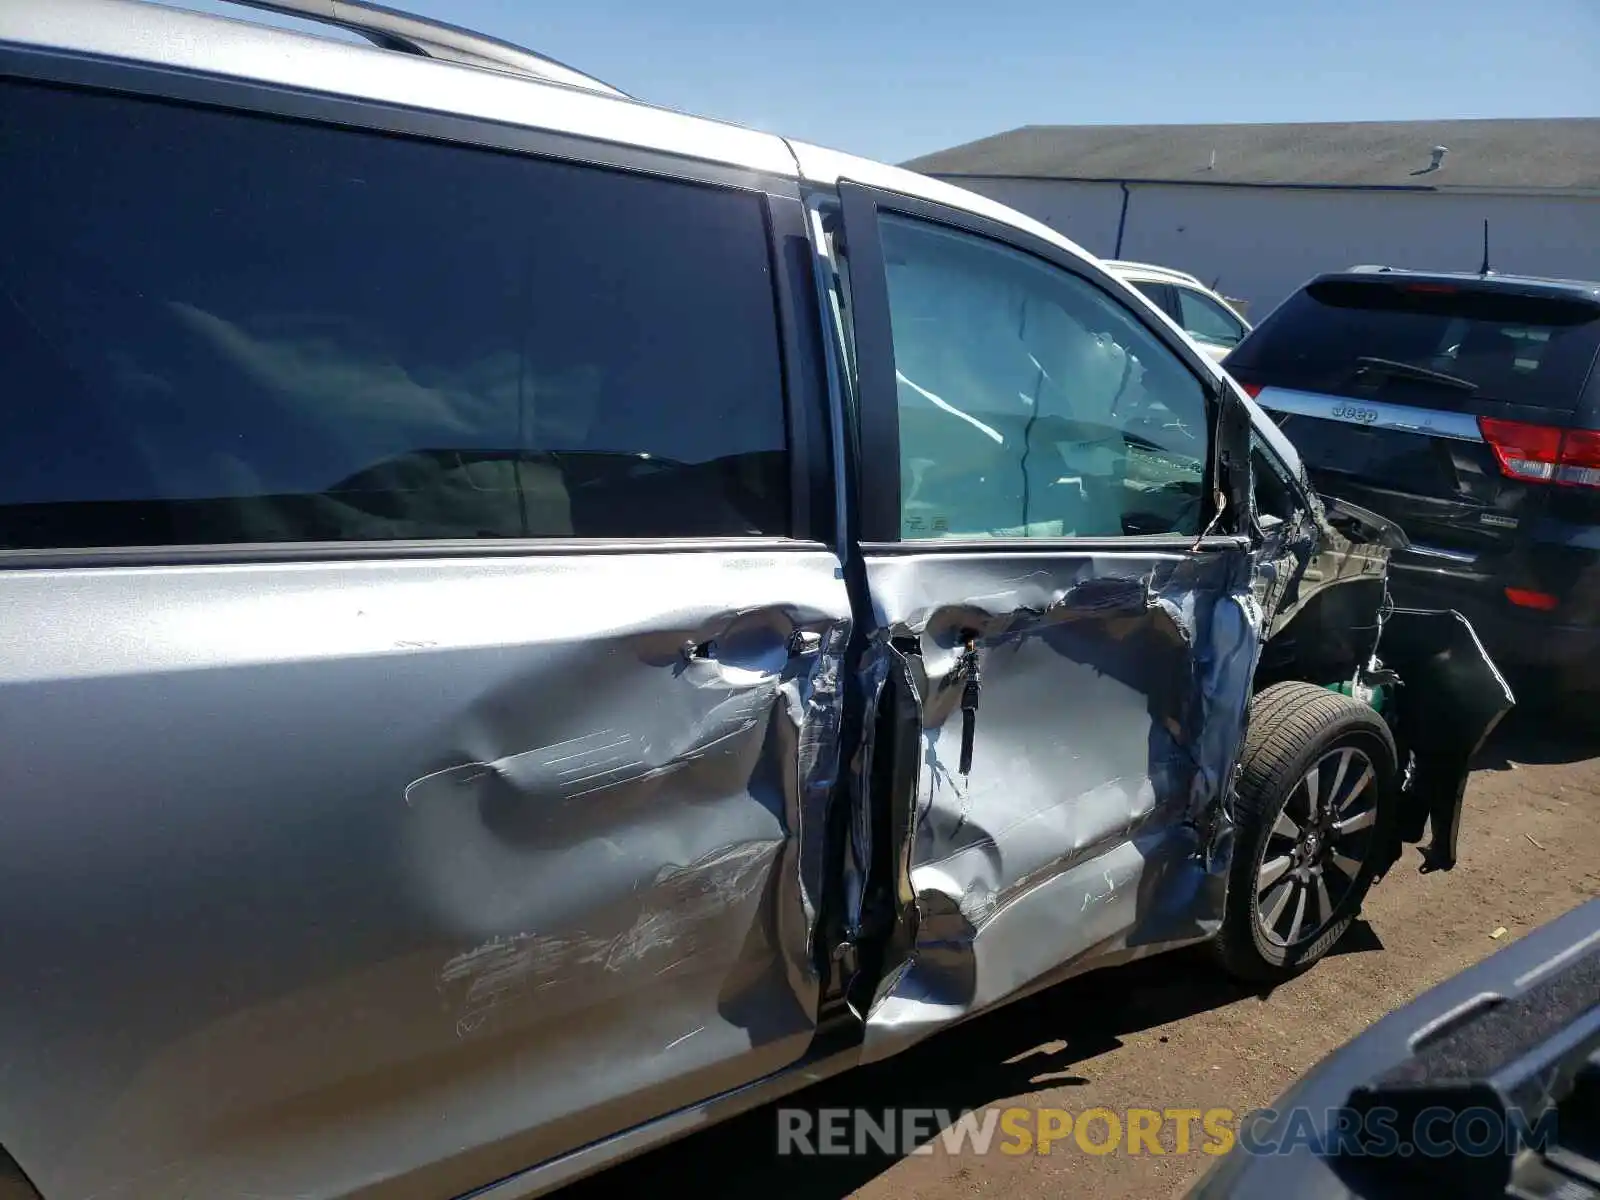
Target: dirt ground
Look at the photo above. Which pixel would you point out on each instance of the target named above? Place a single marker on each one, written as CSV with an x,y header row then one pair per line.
x,y
1169,1033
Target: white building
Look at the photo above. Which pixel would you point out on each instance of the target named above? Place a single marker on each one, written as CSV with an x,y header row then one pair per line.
x,y
1256,210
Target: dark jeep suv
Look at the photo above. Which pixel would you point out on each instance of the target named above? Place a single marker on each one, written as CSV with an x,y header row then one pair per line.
x,y
1466,408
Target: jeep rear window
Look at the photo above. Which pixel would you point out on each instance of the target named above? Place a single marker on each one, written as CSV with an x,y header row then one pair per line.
x,y
1509,347
218,328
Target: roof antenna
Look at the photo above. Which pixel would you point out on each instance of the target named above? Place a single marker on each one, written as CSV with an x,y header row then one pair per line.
x,y
1484,270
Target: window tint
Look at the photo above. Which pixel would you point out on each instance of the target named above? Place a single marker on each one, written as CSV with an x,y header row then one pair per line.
x,y
1032,404
1357,337
1205,319
223,329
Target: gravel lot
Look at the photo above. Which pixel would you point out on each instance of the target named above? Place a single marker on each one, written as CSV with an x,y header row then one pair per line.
x,y
1169,1033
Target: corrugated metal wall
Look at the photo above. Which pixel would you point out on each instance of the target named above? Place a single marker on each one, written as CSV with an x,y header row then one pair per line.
x,y
1261,243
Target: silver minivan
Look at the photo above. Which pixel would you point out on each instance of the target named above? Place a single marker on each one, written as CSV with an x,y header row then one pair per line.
x,y
532,621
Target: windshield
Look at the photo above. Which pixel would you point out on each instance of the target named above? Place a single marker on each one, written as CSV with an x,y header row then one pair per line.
x,y
1436,344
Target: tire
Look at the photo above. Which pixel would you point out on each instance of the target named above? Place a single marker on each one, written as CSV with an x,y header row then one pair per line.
x,y
1266,935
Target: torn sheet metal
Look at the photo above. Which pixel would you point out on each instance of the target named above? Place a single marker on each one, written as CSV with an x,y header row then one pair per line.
x,y
1334,616
472,862
1114,689
1450,700
1328,596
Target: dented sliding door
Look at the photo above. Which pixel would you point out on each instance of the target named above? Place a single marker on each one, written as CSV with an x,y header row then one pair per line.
x,y
1061,632
449,865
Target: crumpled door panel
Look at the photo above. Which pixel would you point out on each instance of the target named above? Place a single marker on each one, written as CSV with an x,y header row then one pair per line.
x,y
1114,688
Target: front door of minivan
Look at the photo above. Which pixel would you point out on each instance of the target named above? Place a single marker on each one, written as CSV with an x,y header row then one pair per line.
x,y
1060,639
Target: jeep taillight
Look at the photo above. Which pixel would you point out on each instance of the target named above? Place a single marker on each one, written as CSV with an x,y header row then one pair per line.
x,y
1544,454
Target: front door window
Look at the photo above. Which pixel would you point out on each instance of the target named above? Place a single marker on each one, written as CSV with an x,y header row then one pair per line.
x,y
1032,403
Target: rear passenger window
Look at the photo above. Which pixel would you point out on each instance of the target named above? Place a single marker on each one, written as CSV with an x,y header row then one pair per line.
x,y
1159,294
1032,404
1205,319
218,329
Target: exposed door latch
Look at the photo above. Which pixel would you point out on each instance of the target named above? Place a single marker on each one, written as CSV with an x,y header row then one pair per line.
x,y
803,642
971,688
699,651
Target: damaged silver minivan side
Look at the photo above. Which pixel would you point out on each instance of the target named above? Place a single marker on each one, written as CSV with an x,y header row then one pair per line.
x,y
534,622
1196,716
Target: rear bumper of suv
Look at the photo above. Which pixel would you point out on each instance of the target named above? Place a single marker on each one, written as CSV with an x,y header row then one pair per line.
x,y
1531,648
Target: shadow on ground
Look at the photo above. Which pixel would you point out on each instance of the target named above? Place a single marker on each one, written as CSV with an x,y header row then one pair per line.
x,y
1032,1044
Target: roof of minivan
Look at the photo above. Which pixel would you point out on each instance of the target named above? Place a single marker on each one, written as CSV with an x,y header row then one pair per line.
x,y
245,48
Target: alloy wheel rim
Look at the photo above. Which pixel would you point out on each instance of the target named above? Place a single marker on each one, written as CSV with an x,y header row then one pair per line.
x,y
1316,848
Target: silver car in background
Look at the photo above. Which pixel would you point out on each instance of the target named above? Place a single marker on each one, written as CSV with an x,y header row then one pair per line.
x,y
1215,322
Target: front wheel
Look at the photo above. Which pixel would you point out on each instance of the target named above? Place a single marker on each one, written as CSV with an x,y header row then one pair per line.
x,y
1315,808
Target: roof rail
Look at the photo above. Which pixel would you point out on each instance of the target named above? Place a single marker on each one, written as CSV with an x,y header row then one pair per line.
x,y
394,30
1151,268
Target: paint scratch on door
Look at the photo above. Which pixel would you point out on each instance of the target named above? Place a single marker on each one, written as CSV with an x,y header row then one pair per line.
x,y
670,917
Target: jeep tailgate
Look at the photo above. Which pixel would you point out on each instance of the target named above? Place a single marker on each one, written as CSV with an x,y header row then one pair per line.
x,y
1384,384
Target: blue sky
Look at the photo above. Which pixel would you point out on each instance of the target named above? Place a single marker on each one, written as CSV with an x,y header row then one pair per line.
x,y
893,81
